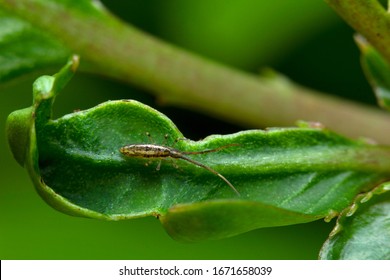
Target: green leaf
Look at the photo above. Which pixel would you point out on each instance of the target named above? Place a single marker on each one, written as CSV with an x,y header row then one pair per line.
x,y
24,48
377,71
284,176
362,230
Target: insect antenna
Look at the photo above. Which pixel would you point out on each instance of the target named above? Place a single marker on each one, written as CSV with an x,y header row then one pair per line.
x,y
212,171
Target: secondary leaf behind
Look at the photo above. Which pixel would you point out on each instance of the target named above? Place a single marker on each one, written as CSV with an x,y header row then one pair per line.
x,y
363,230
24,48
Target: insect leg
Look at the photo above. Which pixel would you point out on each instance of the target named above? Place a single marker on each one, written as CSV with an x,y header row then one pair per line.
x,y
149,137
158,166
165,139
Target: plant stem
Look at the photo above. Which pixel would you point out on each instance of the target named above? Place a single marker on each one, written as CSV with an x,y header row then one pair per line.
x,y
113,48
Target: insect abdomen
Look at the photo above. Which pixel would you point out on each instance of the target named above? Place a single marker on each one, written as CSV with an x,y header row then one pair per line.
x,y
145,151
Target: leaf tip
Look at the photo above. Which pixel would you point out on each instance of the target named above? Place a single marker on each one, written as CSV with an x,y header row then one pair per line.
x,y
361,42
74,63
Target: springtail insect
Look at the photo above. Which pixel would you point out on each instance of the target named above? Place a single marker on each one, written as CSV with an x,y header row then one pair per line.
x,y
161,152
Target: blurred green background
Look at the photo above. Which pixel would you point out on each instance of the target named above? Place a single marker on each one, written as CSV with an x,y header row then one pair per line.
x,y
303,39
